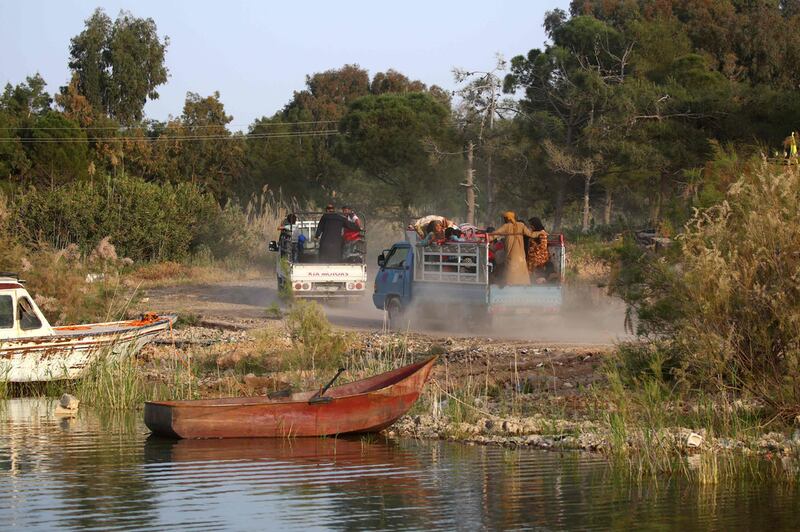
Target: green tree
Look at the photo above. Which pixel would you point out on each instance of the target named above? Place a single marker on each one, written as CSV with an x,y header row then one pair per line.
x,y
13,159
119,65
568,85
26,100
385,139
216,161
293,152
20,106
280,156
57,150
394,82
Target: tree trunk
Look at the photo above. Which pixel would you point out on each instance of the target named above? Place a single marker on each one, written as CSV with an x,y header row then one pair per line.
x,y
609,204
561,185
587,185
559,209
489,188
470,186
655,212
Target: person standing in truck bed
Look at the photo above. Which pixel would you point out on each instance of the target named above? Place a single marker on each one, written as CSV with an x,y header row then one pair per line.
x,y
516,267
330,230
538,254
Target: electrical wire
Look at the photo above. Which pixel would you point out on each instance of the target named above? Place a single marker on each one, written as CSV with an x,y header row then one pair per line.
x,y
121,128
167,138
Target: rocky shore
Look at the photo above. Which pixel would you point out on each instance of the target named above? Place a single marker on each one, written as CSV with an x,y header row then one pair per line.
x,y
545,433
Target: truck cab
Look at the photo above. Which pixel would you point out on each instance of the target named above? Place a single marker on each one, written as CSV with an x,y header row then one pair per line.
x,y
393,283
300,270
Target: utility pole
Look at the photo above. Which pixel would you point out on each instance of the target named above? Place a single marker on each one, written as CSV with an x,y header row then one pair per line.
x,y
489,178
480,96
470,186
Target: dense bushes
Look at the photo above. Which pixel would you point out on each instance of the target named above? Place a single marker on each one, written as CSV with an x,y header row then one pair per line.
x,y
144,220
724,306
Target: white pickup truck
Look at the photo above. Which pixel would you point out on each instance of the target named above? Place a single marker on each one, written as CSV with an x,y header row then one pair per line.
x,y
300,272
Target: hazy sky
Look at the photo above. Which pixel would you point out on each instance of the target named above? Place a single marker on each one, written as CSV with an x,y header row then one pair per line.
x,y
256,53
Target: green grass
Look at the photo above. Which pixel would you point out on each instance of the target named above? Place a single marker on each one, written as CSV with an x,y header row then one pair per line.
x,y
188,319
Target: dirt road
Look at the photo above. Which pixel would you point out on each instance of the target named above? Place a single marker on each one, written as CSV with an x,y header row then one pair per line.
x,y
589,317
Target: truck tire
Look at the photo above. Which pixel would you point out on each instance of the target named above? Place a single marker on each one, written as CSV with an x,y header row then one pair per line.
x,y
394,312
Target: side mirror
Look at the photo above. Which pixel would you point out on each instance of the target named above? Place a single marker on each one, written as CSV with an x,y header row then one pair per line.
x,y
381,260
273,245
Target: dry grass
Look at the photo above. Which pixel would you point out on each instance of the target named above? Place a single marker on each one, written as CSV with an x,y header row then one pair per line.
x,y
161,271
57,280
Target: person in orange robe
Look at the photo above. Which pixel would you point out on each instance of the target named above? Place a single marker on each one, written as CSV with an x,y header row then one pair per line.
x,y
516,267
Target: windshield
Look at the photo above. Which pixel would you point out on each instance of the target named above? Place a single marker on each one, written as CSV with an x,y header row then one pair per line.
x,y
6,312
27,317
397,258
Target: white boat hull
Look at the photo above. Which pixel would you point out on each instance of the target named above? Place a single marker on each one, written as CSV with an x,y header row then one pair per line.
x,y
69,352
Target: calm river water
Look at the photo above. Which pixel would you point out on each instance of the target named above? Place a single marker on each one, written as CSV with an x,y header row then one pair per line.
x,y
104,473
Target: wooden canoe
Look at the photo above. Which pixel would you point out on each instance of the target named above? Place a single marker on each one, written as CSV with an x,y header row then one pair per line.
x,y
367,405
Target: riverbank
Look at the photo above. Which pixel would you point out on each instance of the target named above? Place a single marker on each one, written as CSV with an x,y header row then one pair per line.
x,y
486,391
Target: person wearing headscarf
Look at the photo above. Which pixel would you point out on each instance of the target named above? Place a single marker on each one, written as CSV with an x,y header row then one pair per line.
x,y
538,255
434,233
516,267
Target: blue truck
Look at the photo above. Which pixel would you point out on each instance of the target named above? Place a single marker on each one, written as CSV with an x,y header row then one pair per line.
x,y
455,279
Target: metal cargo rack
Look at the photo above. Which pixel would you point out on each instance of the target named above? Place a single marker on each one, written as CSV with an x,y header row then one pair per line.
x,y
452,262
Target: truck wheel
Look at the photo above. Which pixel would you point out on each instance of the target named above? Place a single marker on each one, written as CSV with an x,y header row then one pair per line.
x,y
394,312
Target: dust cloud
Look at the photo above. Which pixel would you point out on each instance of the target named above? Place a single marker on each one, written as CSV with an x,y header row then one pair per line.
x,y
588,316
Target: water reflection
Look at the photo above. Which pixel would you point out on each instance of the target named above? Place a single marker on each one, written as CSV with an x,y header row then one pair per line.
x,y
104,472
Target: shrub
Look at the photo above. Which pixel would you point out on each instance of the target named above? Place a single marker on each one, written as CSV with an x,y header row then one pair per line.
x,y
316,345
727,305
143,220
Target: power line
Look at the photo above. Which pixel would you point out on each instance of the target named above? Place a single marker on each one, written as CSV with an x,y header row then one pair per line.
x,y
122,128
167,138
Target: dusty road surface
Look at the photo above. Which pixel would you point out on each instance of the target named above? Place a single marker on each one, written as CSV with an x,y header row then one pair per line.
x,y
550,360
589,317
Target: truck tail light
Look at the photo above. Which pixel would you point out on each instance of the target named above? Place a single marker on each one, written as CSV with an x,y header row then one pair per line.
x,y
297,286
349,286
359,286
306,286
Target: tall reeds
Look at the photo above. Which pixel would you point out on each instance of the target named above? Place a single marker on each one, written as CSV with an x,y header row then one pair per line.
x,y
116,381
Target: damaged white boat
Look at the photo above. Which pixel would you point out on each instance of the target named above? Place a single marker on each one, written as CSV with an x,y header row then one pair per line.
x,y
31,350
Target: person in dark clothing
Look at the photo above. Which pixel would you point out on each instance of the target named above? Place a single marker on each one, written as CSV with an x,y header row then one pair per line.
x,y
330,231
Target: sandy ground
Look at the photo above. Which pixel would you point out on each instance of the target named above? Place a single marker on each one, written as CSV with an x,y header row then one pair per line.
x,y
553,354
589,317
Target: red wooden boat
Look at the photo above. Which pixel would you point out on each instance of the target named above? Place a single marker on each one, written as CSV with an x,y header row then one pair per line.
x,y
368,405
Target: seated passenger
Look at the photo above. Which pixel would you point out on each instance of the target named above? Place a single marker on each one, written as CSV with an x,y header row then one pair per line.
x,y
434,233
353,249
453,234
468,232
421,225
286,228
